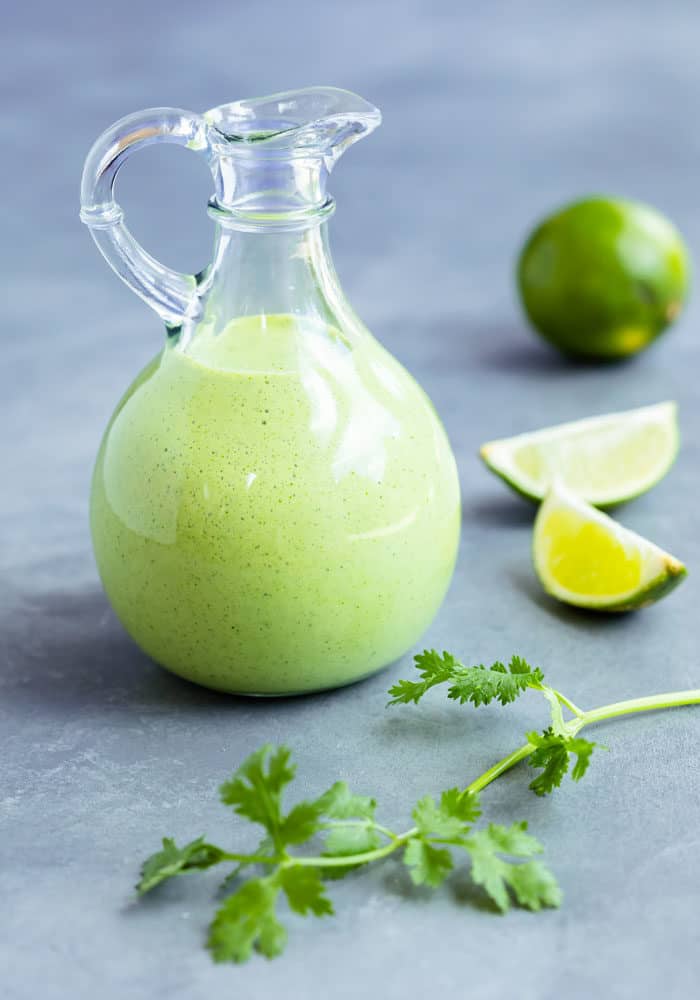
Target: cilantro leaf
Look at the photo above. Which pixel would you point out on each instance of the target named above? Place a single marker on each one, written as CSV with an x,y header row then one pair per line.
x,y
481,685
445,822
247,920
344,841
553,752
256,788
534,886
340,803
531,883
478,685
305,891
428,865
255,792
172,860
300,823
551,755
583,750
513,839
451,818
434,669
461,803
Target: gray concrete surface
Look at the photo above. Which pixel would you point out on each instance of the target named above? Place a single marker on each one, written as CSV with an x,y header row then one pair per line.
x,y
493,114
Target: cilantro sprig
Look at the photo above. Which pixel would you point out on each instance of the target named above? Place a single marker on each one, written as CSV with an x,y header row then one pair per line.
x,y
344,830
478,685
337,832
552,750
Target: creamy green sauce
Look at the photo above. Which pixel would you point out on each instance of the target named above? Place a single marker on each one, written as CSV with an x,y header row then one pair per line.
x,y
274,512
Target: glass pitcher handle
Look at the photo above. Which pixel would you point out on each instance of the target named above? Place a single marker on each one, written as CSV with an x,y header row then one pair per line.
x,y
173,295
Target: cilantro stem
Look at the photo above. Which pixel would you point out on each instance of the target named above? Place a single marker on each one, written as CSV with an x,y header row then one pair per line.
x,y
500,768
651,703
383,829
369,824
569,704
250,859
342,861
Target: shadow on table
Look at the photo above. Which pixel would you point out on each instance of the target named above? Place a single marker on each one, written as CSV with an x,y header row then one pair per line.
x,y
509,348
509,352
460,343
432,724
67,649
499,510
459,885
512,349
505,347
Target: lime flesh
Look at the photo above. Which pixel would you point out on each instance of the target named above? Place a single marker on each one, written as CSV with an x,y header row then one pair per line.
x,y
603,277
606,460
584,558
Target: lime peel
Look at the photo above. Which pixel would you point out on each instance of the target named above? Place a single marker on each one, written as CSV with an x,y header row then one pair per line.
x,y
583,557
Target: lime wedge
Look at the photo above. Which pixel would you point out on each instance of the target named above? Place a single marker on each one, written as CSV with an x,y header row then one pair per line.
x,y
606,460
585,558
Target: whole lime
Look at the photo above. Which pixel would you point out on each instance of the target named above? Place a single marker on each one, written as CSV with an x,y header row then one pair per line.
x,y
603,277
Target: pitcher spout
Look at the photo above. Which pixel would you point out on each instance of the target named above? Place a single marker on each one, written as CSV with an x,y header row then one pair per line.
x,y
273,154
315,120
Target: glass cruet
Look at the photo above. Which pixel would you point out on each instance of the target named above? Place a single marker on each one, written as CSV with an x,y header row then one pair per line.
x,y
275,506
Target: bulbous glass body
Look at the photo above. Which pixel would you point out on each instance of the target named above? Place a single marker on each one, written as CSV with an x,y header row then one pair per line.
x,y
278,529
275,505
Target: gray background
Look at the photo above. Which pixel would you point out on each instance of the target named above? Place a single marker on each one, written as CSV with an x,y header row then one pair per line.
x,y
494,113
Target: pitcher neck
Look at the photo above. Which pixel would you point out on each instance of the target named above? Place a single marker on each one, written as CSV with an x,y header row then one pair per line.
x,y
262,272
271,192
